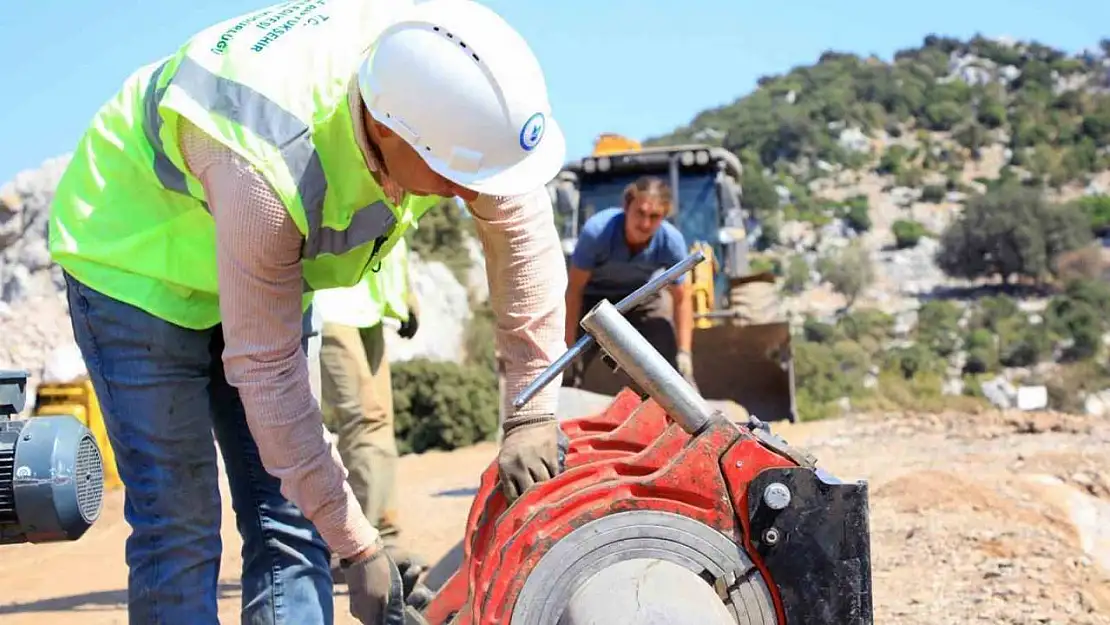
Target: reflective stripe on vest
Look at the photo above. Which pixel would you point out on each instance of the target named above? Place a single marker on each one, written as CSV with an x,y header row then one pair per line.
x,y
281,129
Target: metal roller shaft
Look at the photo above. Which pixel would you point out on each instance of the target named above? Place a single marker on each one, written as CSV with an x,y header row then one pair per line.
x,y
647,367
646,592
634,299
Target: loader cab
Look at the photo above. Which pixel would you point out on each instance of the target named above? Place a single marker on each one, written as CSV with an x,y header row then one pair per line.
x,y
705,182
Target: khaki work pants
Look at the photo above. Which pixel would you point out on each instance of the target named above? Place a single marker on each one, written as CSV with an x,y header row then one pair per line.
x,y
358,408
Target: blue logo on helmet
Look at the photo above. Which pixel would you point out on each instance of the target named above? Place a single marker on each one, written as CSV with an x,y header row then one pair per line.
x,y
532,131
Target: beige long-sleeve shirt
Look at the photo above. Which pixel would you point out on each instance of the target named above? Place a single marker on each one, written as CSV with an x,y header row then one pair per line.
x,y
258,254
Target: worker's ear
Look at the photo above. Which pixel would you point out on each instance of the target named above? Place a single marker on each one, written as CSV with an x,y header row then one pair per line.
x,y
381,130
378,131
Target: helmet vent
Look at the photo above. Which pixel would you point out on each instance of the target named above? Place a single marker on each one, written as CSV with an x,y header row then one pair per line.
x,y
462,44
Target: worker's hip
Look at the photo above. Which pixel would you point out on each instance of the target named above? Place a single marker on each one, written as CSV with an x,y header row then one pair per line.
x,y
163,394
656,306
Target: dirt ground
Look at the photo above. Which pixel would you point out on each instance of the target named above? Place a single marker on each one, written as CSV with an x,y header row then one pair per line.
x,y
991,518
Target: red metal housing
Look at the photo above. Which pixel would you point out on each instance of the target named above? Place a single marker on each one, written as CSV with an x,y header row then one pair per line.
x,y
629,457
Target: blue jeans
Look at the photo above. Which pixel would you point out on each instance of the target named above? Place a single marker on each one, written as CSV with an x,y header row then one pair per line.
x,y
163,393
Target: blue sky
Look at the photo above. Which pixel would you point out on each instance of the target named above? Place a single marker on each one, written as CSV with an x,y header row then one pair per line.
x,y
635,67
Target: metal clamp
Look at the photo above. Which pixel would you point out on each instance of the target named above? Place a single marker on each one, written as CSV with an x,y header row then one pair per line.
x,y
606,325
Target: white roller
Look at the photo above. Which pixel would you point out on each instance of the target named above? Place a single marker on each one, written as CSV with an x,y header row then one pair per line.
x,y
646,591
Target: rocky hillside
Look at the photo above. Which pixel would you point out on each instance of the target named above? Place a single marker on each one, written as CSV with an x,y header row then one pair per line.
x,y
893,196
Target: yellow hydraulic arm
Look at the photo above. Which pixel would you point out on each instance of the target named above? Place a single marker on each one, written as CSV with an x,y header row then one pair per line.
x,y
702,282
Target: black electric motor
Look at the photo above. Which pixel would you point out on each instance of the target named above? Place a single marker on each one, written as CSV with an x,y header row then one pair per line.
x,y
51,472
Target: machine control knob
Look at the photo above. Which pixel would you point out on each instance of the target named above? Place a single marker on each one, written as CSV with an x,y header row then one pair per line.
x,y
776,496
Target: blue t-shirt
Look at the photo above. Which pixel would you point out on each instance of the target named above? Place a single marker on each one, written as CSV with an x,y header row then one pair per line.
x,y
615,272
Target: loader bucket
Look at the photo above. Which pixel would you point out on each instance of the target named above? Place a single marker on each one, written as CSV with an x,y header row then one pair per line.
x,y
749,365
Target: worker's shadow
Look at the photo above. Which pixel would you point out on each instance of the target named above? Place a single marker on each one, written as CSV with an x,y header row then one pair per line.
x,y
96,601
456,492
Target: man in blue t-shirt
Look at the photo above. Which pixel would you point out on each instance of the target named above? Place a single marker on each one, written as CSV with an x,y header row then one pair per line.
x,y
618,250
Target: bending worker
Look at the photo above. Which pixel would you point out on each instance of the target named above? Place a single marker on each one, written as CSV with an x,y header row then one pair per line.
x,y
618,250
356,388
274,154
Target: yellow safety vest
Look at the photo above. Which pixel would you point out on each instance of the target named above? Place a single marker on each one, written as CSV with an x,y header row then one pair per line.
x,y
380,294
392,283
128,218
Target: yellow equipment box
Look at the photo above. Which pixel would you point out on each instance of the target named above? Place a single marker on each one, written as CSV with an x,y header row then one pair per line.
x,y
78,399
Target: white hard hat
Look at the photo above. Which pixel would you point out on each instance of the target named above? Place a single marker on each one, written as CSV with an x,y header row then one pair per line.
x,y
463,88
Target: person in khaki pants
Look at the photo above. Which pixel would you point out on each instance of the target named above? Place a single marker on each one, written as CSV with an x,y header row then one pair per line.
x,y
357,393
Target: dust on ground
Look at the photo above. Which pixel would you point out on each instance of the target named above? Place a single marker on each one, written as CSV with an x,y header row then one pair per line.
x,y
1000,518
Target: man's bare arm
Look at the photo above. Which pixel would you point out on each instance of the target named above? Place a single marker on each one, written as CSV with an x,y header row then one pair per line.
x,y
683,316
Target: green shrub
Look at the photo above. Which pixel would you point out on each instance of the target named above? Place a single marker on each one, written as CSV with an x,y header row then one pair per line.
x,y
856,213
921,393
769,232
849,270
858,218
973,386
869,327
797,275
1022,344
991,311
1097,209
910,176
816,331
759,192
1094,292
938,326
443,405
892,161
907,233
981,359
982,351
932,193
1078,316
760,264
824,373
913,361
944,115
992,114
979,337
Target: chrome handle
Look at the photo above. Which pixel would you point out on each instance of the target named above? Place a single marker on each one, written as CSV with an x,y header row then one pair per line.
x,y
651,287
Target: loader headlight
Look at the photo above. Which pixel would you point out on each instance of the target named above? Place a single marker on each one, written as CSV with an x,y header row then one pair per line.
x,y
51,472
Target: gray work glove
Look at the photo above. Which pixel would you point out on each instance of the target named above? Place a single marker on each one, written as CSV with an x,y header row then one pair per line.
x,y
532,452
685,364
375,589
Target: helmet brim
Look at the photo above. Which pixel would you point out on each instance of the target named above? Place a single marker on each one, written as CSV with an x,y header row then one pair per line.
x,y
531,173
